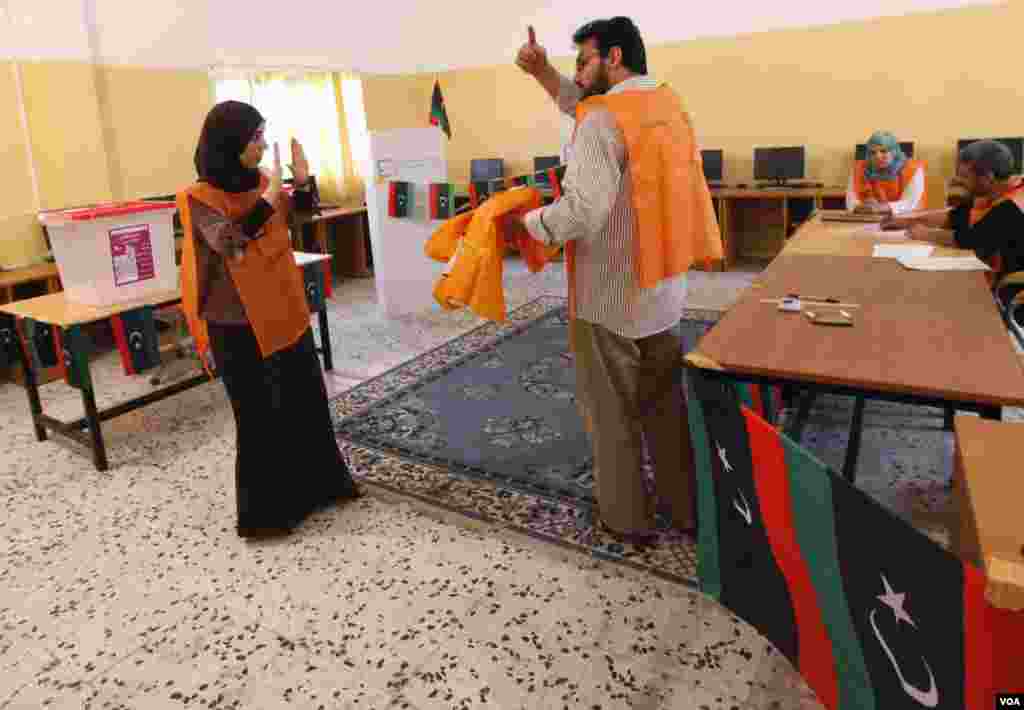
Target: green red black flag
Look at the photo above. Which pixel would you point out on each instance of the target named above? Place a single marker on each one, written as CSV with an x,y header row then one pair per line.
x,y
872,612
438,115
137,339
399,198
442,200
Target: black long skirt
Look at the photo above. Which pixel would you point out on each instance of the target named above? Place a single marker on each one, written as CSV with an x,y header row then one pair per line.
x,y
287,463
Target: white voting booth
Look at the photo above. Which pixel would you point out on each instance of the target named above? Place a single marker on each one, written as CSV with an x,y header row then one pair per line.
x,y
403,274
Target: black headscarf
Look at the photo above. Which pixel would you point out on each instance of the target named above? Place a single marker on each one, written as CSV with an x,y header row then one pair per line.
x,y
227,130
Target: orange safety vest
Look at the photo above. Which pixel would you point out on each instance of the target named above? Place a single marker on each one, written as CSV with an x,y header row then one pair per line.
x,y
887,190
675,218
269,285
477,240
980,208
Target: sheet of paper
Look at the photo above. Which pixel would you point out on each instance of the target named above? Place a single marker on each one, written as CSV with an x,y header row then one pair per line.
x,y
898,251
945,263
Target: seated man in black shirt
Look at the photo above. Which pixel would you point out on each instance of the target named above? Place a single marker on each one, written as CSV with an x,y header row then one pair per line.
x,y
988,215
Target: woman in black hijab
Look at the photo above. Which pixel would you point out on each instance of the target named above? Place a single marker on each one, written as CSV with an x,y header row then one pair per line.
x,y
245,302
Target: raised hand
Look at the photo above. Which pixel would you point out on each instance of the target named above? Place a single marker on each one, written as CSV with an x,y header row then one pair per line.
x,y
532,58
276,174
299,165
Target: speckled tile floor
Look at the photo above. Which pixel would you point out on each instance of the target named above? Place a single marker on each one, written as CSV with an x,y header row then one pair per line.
x,y
129,588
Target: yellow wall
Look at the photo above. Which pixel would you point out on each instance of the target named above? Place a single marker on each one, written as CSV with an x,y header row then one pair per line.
x,y
152,120
96,133
18,242
930,78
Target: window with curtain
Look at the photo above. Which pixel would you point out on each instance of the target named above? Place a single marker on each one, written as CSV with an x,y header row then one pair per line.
x,y
323,110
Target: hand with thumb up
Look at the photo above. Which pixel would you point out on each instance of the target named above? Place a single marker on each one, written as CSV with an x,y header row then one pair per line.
x,y
532,58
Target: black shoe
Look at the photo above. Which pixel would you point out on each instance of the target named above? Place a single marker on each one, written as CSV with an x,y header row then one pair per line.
x,y
640,539
263,533
353,492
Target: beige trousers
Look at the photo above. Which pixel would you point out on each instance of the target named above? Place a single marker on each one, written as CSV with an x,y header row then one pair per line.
x,y
627,391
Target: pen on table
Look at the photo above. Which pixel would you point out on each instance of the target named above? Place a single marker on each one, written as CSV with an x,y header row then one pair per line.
x,y
815,300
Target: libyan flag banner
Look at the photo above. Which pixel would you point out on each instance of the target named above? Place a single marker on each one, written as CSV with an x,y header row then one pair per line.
x,y
873,613
442,200
399,198
137,339
438,115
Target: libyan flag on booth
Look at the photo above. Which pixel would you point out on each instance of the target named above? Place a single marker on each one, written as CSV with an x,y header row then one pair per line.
x,y
873,613
438,116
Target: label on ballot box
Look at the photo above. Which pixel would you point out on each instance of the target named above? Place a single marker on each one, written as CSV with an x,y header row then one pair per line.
x,y
1009,700
131,250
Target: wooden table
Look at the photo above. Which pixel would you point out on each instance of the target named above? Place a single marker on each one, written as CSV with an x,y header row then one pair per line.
x,y
354,257
55,309
9,280
730,200
988,489
849,239
929,338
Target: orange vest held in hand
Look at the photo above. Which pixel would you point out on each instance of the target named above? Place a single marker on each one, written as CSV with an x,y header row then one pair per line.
x,y
675,218
887,190
474,244
269,284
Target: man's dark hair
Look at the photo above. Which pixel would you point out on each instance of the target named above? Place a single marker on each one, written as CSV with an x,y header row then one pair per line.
x,y
617,32
988,157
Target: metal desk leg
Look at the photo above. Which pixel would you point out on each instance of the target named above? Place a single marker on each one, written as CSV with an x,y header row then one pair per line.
x,y
853,444
92,418
803,412
994,413
32,388
78,358
325,340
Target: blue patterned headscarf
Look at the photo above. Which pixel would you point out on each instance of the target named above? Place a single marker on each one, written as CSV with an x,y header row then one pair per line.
x,y
886,140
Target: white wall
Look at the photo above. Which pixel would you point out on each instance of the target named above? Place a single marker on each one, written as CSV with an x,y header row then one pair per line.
x,y
401,36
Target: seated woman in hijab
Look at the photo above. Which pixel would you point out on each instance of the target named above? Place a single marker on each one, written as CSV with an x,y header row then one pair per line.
x,y
887,182
246,306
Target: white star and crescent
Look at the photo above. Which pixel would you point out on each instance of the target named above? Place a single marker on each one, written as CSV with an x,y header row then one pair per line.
x,y
928,698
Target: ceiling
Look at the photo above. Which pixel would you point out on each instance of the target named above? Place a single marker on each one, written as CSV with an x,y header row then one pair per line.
x,y
396,37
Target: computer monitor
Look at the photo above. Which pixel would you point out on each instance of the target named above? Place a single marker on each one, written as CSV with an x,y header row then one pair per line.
x,y
712,160
779,164
482,169
1016,146
541,165
861,151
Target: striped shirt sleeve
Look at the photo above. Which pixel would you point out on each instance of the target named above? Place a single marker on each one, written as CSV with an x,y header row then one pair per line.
x,y
590,187
569,95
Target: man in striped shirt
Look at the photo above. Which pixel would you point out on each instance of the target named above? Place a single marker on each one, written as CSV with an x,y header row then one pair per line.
x,y
625,337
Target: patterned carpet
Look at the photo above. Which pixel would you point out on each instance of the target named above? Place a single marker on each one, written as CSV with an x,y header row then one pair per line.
x,y
392,431
527,467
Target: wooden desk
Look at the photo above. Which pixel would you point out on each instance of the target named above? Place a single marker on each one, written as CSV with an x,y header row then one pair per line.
x,y
914,332
16,277
55,309
988,490
918,337
352,255
848,239
738,219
